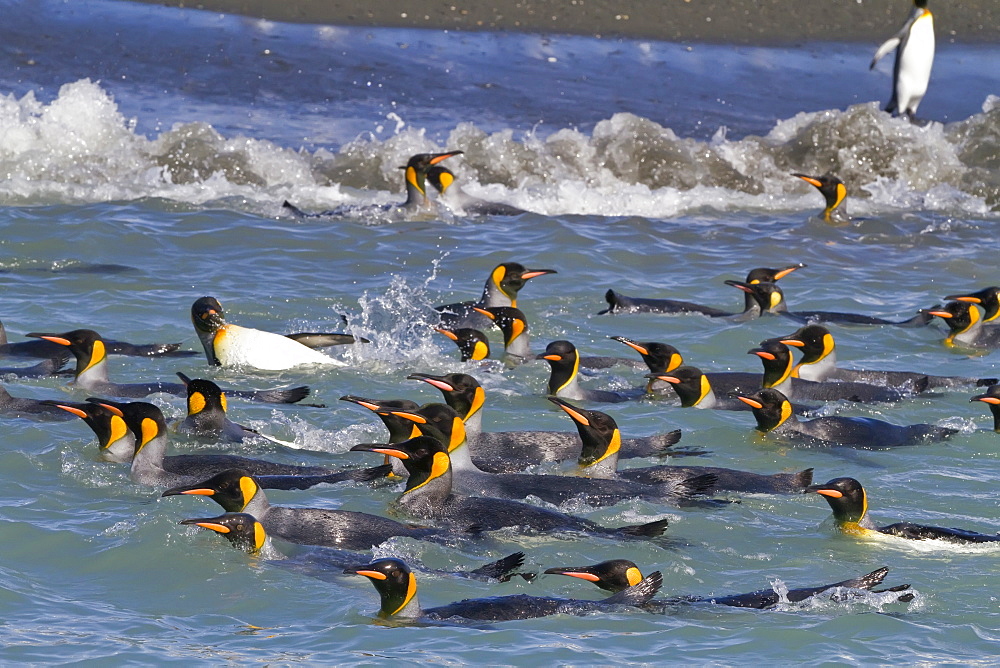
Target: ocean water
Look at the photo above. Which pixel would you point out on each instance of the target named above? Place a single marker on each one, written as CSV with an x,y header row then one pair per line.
x,y
144,156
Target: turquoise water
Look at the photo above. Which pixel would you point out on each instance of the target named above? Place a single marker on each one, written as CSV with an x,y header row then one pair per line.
x,y
159,180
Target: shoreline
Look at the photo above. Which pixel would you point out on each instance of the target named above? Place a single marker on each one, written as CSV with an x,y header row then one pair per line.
x,y
742,22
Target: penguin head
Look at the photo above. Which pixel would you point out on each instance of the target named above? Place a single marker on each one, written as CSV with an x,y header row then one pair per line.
x,y
766,275
959,316
659,357
232,489
768,296
472,343
988,298
461,391
144,420
204,395
815,342
510,320
613,575
777,360
770,408
85,344
425,458
114,438
846,497
598,431
207,314
833,190
399,429
241,529
440,177
992,399
417,166
395,584
510,277
561,353
691,385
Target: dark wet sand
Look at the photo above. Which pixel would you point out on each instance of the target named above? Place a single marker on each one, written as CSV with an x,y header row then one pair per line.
x,y
729,21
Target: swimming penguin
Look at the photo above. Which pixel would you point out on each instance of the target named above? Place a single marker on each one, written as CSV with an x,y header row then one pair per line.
x,y
46,367
965,327
501,289
443,423
92,373
564,363
245,533
514,451
472,343
616,575
988,298
46,349
238,492
819,363
399,429
849,502
115,441
397,589
428,496
834,191
151,466
914,45
34,409
417,204
599,459
778,366
206,416
992,399
659,358
694,389
774,415
772,300
443,181
619,303
234,346
517,347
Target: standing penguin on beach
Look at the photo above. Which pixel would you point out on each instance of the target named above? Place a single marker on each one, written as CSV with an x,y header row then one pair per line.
x,y
914,45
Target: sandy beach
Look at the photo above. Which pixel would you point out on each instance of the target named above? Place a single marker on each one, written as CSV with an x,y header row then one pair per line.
x,y
731,21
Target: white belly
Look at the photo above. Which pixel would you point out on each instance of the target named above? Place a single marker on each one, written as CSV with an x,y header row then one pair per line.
x,y
915,63
242,346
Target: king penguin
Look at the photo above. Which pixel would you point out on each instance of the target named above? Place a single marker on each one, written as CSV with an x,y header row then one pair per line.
x,y
914,45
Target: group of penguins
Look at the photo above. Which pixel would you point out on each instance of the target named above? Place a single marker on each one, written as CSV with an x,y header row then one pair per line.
x,y
462,482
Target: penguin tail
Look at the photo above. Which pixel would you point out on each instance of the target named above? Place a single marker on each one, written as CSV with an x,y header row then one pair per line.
x,y
803,478
502,570
612,300
648,530
868,581
665,441
639,593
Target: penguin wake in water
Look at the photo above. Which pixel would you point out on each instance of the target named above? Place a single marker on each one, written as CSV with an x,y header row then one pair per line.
x,y
91,373
914,46
619,303
834,192
234,346
616,575
417,205
601,442
244,532
501,289
774,415
849,502
428,496
397,589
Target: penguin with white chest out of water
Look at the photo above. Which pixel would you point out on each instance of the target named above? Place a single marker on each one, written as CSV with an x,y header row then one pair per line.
x,y
914,45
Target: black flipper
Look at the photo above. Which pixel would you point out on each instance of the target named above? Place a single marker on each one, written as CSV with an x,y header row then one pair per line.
x,y
325,339
648,530
502,570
